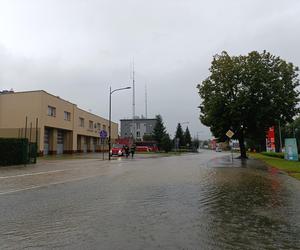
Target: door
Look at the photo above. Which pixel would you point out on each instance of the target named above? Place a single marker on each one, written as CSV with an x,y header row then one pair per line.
x,y
46,141
60,142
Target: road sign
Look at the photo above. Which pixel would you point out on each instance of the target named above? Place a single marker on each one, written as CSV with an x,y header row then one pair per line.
x,y
103,134
229,134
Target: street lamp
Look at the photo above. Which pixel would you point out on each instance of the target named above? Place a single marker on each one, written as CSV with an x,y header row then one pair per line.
x,y
109,123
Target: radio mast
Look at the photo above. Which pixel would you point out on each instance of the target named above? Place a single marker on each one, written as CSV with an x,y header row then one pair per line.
x,y
133,102
146,104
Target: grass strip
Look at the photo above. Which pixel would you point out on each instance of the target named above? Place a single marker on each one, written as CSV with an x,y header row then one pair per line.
x,y
290,167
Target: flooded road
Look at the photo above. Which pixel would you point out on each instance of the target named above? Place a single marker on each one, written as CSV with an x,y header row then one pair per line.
x,y
196,201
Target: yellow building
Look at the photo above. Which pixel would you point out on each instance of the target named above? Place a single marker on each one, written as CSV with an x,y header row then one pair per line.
x,y
62,126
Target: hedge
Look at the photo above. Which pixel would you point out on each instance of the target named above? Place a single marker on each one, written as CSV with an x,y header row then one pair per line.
x,y
273,154
13,151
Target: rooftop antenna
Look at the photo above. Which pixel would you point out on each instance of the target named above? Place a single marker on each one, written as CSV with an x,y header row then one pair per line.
x,y
146,104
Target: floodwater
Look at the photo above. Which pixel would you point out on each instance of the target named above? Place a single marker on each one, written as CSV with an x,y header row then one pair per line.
x,y
196,201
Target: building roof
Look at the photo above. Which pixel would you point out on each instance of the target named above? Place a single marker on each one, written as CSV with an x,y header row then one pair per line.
x,y
139,119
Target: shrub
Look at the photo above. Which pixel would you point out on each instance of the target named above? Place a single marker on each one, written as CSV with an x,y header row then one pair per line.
x,y
13,151
166,143
273,154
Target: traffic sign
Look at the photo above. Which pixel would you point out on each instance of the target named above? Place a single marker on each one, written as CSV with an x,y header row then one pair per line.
x,y
229,134
103,134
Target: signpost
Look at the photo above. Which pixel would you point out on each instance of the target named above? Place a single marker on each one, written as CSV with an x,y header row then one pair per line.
x,y
103,135
229,134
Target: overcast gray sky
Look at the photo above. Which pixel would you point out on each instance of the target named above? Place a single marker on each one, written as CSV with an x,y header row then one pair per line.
x,y
76,49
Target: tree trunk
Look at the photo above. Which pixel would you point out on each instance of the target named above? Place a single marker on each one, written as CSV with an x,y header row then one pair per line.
x,y
242,146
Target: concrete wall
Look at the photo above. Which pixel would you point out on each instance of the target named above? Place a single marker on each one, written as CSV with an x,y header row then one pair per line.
x,y
14,107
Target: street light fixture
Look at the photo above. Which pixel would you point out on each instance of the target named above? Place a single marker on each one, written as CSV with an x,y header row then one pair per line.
x,y
109,124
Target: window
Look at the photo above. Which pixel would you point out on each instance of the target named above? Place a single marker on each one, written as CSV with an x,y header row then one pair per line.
x,y
138,134
67,116
104,127
81,122
51,111
98,126
91,124
138,126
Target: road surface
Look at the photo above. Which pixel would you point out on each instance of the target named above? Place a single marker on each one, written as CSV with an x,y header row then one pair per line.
x,y
193,201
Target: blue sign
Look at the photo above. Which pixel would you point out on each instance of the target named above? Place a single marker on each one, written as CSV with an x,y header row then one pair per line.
x,y
103,134
291,150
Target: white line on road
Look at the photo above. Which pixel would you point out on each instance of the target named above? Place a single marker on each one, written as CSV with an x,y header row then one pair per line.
x,y
38,173
49,184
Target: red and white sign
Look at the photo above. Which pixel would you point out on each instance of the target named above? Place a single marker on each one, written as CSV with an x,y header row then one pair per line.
x,y
270,140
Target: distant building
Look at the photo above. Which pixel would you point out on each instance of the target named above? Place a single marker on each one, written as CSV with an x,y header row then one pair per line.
x,y
140,126
62,126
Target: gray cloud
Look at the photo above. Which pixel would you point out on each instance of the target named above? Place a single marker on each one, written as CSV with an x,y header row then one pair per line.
x,y
77,49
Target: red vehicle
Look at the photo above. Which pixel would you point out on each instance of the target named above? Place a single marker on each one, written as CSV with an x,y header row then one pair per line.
x,y
117,149
146,146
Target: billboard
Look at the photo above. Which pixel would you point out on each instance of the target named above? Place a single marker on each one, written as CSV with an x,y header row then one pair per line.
x,y
270,140
291,150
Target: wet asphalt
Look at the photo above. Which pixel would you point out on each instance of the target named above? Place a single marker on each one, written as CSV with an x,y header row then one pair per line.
x,y
192,201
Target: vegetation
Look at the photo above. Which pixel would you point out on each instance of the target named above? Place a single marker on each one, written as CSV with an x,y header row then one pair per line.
x,y
273,154
179,134
166,143
195,144
290,167
248,94
14,151
187,138
159,131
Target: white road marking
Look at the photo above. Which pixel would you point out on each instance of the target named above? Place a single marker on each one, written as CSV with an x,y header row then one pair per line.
x,y
38,173
49,184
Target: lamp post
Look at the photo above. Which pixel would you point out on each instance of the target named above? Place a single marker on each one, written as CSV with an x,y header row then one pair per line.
x,y
109,123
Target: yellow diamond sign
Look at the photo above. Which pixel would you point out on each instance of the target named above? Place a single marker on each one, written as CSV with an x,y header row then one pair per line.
x,y
229,133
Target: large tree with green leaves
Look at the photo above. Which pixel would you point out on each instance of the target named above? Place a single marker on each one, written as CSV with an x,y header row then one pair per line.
x,y
248,94
159,130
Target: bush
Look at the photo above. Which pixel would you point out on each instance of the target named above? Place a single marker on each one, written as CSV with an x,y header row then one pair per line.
x,y
13,151
166,143
273,154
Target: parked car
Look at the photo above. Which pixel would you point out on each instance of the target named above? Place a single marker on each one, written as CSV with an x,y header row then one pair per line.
x,y
117,149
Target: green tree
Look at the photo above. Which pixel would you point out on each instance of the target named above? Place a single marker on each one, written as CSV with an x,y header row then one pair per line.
x,y
159,130
166,143
187,137
248,94
179,134
195,144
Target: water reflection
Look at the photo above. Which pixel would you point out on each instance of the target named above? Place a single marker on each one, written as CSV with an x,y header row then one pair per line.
x,y
250,209
187,202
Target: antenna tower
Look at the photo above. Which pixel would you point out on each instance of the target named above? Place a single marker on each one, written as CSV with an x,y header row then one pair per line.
x,y
146,104
133,101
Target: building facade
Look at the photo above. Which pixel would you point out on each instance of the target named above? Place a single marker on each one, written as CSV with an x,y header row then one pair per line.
x,y
137,127
62,127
